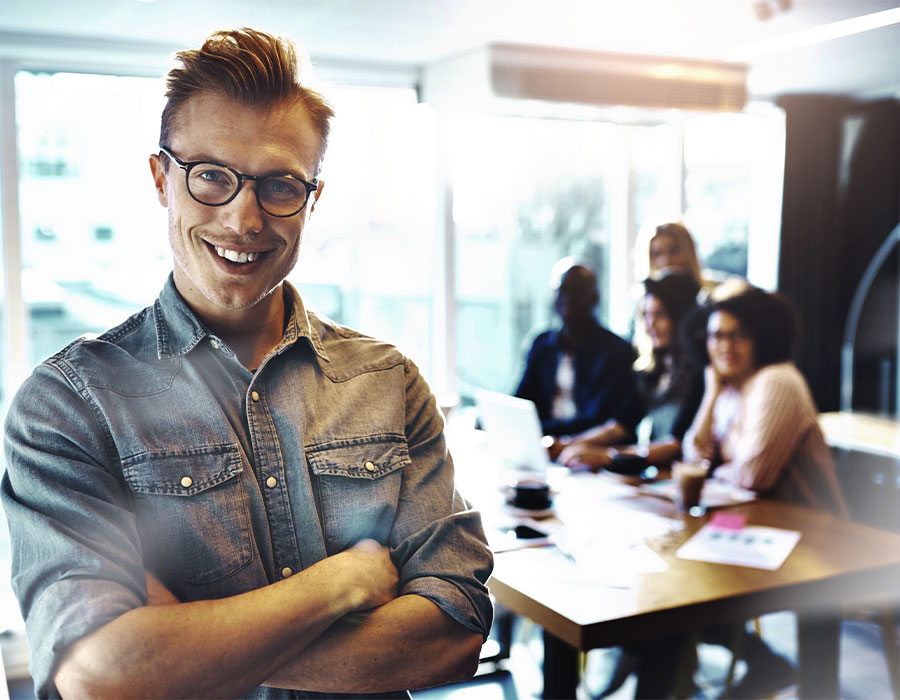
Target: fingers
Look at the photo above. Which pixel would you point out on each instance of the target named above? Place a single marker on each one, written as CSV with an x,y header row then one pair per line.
x,y
586,455
374,573
157,593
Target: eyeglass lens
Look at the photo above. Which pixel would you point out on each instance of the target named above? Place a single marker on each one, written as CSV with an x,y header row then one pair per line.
x,y
215,184
722,336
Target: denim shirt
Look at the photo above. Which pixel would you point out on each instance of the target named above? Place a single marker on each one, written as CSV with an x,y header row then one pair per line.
x,y
152,448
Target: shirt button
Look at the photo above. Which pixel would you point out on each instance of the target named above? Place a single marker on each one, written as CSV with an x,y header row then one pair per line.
x,y
255,396
286,571
214,343
271,482
187,482
369,467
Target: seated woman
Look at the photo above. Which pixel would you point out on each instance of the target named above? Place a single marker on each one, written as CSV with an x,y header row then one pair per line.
x,y
757,422
669,380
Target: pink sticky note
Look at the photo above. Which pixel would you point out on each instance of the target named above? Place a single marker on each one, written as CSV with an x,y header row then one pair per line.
x,y
728,521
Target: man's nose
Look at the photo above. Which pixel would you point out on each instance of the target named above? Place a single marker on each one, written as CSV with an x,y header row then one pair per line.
x,y
243,214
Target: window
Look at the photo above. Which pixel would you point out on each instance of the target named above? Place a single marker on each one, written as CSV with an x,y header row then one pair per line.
x,y
93,235
94,243
733,166
369,254
526,192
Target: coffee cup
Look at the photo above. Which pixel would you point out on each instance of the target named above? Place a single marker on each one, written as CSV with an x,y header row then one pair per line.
x,y
689,477
530,494
627,463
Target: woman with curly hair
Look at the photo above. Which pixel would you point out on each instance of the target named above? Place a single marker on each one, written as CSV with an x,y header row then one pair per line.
x,y
757,422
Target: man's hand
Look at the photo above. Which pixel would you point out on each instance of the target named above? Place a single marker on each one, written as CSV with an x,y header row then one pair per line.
x,y
555,445
586,454
276,623
373,576
157,593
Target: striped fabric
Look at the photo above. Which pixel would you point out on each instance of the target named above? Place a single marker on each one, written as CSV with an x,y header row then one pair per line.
x,y
770,441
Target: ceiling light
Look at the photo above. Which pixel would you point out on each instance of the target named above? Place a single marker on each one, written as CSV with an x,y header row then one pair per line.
x,y
816,35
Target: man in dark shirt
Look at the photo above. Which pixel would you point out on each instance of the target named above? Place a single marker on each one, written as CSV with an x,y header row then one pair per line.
x,y
580,376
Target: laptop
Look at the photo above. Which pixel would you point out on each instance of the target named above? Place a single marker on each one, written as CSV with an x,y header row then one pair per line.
x,y
514,433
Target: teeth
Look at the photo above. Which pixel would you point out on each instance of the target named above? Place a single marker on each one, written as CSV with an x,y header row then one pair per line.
x,y
234,256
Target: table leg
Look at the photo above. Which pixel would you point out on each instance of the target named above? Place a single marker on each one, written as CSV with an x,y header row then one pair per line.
x,y
561,669
818,645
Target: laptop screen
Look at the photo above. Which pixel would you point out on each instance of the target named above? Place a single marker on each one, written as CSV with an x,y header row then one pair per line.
x,y
514,433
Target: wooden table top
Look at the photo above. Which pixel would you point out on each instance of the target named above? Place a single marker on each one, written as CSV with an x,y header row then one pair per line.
x,y
835,561
864,432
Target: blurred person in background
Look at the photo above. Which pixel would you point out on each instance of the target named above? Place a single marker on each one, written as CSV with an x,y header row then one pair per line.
x,y
669,379
757,423
668,247
758,427
579,375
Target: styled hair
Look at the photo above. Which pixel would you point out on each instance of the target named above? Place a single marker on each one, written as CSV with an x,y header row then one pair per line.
x,y
770,319
252,67
642,264
677,292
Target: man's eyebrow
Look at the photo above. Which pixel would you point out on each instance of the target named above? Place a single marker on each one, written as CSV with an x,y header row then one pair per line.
x,y
207,158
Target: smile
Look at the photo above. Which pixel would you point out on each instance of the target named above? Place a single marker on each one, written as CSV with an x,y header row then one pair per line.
x,y
235,256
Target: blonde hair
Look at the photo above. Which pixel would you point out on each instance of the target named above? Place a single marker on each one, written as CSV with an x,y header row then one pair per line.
x,y
643,267
252,67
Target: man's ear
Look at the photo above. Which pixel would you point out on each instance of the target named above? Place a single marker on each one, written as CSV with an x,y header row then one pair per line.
x,y
316,195
160,181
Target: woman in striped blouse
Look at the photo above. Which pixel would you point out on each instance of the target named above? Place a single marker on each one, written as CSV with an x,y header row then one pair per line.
x,y
757,422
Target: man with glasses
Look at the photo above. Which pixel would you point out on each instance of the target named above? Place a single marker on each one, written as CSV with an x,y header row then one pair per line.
x,y
229,494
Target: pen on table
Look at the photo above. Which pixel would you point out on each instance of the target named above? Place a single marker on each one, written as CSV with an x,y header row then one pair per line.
x,y
565,552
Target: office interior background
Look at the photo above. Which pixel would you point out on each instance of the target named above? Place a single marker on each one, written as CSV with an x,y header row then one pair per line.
x,y
476,143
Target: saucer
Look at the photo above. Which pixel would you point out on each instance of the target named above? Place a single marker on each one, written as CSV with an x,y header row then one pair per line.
x,y
536,513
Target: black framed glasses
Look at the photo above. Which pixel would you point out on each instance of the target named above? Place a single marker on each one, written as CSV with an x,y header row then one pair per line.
x,y
738,335
216,184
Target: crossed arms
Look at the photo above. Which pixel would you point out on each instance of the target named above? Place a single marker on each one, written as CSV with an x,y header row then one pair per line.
x,y
366,619
294,633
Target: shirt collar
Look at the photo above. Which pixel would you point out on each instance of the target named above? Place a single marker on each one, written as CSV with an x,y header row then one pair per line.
x,y
178,330
298,325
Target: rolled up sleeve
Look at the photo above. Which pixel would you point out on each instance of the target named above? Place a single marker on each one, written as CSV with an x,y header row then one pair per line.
x,y
438,541
76,559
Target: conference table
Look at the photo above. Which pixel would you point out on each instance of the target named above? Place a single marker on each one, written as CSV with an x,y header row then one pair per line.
x,y
609,574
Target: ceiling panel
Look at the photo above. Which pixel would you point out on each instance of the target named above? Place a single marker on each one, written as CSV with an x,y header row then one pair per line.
x,y
418,32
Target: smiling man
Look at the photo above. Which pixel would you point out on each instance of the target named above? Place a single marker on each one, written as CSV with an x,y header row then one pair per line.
x,y
228,494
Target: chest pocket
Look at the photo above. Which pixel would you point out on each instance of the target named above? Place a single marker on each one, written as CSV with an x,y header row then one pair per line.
x,y
357,486
192,512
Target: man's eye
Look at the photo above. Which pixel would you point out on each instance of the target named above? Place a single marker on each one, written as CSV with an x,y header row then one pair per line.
x,y
211,175
280,187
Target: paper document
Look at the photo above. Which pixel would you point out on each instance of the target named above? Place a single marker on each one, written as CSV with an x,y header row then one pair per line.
x,y
557,565
754,546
